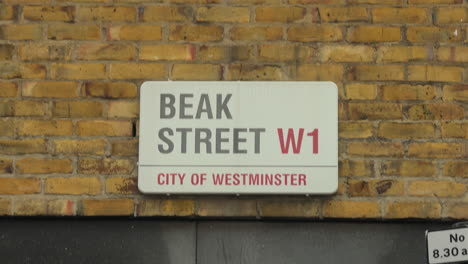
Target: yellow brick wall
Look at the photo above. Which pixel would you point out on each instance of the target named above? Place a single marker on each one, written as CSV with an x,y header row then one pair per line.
x,y
70,73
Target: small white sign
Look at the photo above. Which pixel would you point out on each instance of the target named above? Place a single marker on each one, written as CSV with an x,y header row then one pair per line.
x,y
447,246
238,137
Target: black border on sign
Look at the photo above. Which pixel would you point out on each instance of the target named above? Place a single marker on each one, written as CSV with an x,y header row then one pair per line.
x,y
442,229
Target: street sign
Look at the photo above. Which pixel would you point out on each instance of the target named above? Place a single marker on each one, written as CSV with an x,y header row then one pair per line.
x,y
238,137
447,246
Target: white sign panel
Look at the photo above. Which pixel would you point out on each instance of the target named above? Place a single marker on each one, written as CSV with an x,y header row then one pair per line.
x,y
238,137
447,246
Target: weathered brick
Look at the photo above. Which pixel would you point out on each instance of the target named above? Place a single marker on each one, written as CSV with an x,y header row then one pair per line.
x,y
105,166
227,207
223,53
45,128
312,72
449,15
433,34
410,15
379,187
406,130
121,185
77,109
30,108
409,168
351,209
124,147
438,150
196,72
277,52
458,92
457,210
346,53
80,147
19,185
106,13
408,92
50,89
356,168
42,207
374,34
256,33
23,146
92,51
6,51
195,1
7,127
74,32
316,1
33,51
374,111
162,207
104,128
110,90
7,12
123,109
343,14
254,72
6,166
403,54
73,185
78,71
8,89
413,210
120,71
5,204
21,32
139,32
355,130
168,52
376,73
377,2
456,169
49,13
435,73
360,91
439,111
196,32
289,208
455,130
9,70
313,33
436,188
375,149
43,166
223,14
167,13
431,2
453,54
108,207
279,14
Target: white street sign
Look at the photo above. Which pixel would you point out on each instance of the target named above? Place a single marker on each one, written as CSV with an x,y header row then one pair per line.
x,y
447,246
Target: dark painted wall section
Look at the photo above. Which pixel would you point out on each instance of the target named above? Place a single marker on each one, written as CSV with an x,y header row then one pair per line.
x,y
210,242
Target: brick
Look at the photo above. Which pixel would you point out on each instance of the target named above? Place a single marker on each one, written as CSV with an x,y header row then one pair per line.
x,y
346,53
436,188
78,71
213,53
377,2
80,147
439,150
375,188
108,207
456,169
167,13
43,166
123,109
196,72
289,208
312,72
49,13
50,89
373,34
30,108
453,54
360,91
7,128
136,32
356,168
162,207
439,111
374,111
376,73
256,33
457,210
227,208
7,12
74,32
6,166
431,2
403,54
355,130
243,72
316,1
104,128
196,32
314,33
375,149
223,14
449,15
105,166
410,15
343,14
33,51
93,51
106,13
455,130
276,52
239,53
19,186
195,1
124,147
73,185
433,34
110,90
5,207
435,73
458,92
77,109
351,209
152,71
121,185
279,14
408,92
168,52
406,130
23,146
7,108
21,32
6,52
413,210
10,70
45,128
409,168
8,89
42,207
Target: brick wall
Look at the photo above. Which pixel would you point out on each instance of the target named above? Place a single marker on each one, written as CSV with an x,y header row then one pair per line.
x,y
70,74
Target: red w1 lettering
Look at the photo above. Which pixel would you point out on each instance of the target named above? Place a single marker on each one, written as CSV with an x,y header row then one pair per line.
x,y
297,143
